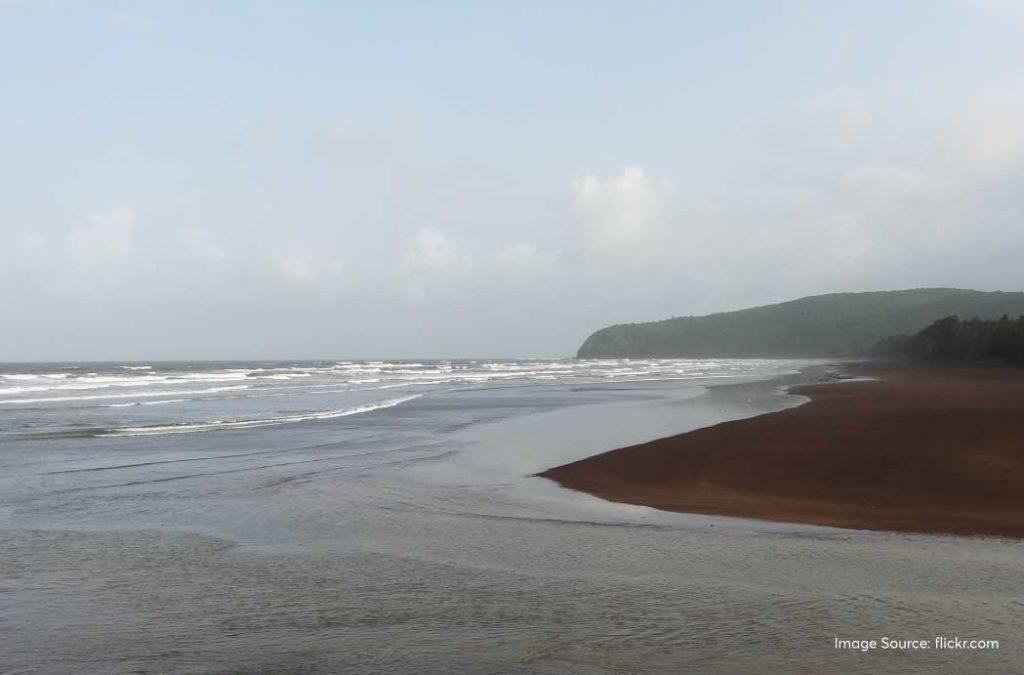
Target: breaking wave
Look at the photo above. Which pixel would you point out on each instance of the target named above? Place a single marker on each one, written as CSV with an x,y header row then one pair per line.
x,y
191,427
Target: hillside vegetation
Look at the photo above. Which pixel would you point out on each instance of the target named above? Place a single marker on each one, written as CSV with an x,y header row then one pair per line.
x,y
951,339
839,324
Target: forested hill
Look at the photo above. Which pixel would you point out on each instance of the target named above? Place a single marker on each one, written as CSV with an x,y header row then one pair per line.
x,y
839,324
950,339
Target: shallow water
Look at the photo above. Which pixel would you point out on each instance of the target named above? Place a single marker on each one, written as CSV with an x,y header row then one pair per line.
x,y
304,521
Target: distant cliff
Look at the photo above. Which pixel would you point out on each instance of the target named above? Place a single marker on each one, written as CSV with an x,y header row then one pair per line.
x,y
838,324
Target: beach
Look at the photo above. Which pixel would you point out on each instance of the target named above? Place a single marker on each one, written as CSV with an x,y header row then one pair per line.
x,y
899,447
315,517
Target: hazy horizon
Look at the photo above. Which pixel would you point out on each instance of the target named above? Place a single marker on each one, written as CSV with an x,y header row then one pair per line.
x,y
256,182
371,357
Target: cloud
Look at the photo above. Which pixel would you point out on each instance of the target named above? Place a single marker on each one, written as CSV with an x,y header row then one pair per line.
x,y
846,190
90,261
109,258
436,267
624,211
430,263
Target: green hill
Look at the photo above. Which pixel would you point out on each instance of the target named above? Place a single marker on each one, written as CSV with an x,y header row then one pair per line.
x,y
838,324
950,339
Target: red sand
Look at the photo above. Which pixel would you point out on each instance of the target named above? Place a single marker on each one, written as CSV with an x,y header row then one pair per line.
x,y
922,449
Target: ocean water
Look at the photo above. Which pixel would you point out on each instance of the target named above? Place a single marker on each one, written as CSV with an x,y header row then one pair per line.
x,y
383,517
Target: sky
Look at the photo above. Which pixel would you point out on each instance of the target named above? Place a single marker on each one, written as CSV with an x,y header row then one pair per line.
x,y
390,180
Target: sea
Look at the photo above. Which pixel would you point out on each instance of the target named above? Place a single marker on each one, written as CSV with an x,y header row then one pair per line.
x,y
355,516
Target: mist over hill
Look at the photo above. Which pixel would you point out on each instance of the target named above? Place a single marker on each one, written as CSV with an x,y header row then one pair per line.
x,y
837,324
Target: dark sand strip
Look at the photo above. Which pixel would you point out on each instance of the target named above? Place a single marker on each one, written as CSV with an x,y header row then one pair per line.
x,y
922,449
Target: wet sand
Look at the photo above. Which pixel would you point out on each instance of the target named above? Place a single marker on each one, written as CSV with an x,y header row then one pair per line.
x,y
919,449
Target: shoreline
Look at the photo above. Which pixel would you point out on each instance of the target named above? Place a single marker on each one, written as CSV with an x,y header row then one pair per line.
x,y
916,448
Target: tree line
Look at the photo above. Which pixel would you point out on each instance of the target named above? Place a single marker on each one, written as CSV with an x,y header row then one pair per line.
x,y
953,339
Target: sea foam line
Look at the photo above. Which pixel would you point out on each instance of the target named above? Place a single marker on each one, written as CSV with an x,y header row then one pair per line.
x,y
192,427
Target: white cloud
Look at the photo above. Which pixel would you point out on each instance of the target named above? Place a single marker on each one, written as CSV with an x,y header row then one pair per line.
x,y
623,211
851,195
110,258
434,266
430,263
91,261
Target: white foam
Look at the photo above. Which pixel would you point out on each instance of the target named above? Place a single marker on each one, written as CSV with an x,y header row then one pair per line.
x,y
94,381
251,424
